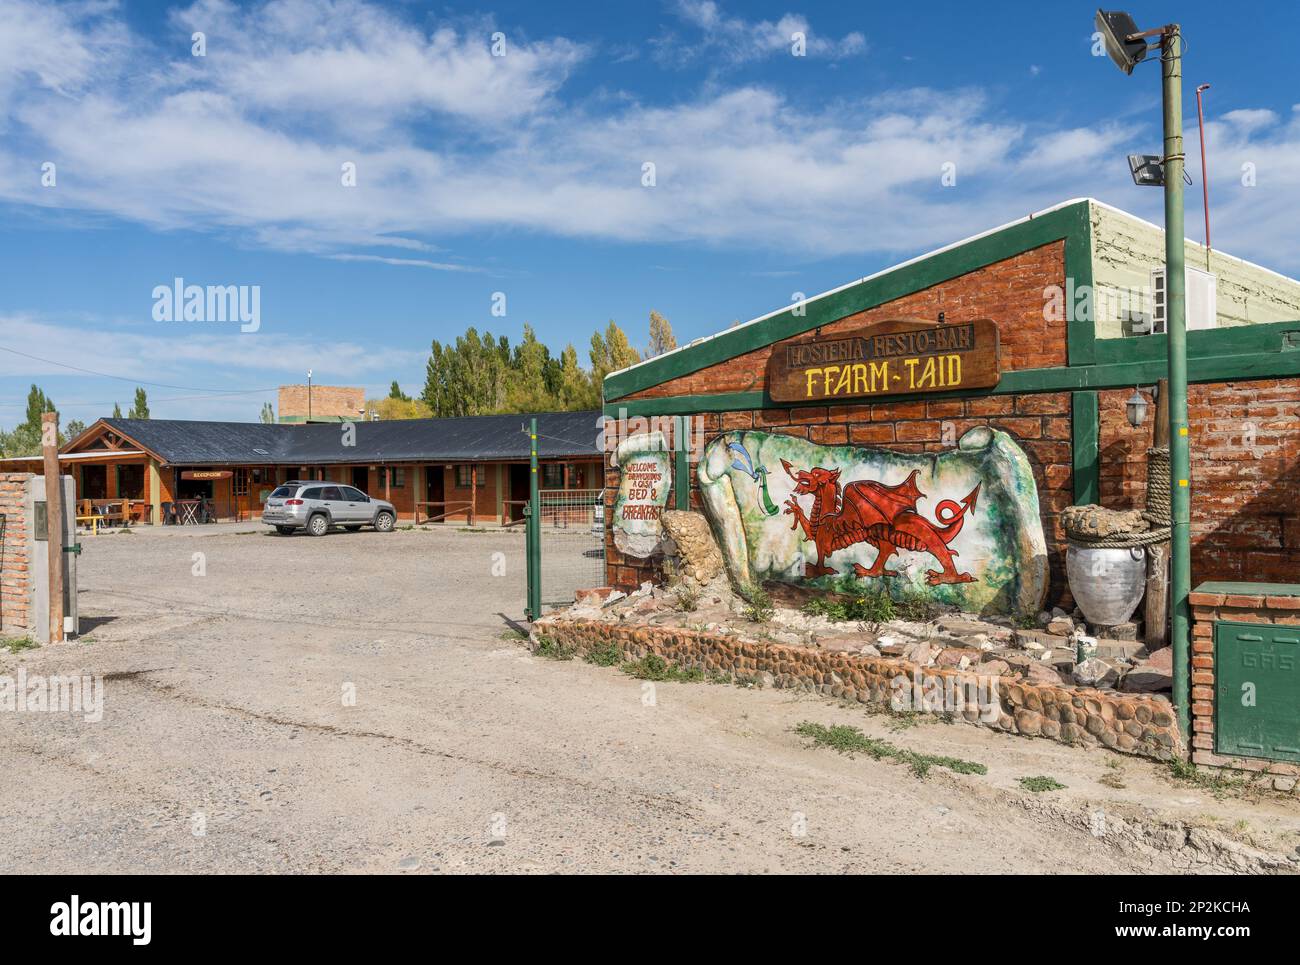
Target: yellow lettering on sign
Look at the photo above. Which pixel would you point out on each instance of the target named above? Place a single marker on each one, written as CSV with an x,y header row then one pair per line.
x,y
911,371
845,382
928,372
809,375
861,385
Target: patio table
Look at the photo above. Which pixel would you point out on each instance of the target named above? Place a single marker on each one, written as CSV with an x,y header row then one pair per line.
x,y
187,511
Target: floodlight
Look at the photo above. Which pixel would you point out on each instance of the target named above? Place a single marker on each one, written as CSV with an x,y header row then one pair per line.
x,y
1147,169
1115,27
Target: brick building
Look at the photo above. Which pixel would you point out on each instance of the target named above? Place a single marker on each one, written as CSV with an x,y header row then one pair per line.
x,y
1064,378
1076,293
320,403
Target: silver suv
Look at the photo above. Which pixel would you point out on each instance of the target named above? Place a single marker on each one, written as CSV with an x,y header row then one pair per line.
x,y
316,505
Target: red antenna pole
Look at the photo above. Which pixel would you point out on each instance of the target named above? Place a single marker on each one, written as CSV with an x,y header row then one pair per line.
x,y
1205,184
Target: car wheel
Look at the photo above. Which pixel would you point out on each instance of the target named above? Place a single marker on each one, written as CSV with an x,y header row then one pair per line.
x,y
284,530
352,529
384,522
318,525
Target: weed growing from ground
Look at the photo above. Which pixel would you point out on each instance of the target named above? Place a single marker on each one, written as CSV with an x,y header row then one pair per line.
x,y
1041,783
1217,782
549,649
654,667
758,605
850,740
875,606
14,644
605,656
687,596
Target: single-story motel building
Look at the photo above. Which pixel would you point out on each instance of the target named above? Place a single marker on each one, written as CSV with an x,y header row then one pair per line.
x,y
470,470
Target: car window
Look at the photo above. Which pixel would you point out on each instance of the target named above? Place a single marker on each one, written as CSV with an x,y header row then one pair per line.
x,y
356,495
283,492
313,493
332,494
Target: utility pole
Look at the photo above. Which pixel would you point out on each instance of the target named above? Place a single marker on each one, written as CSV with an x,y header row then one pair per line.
x,y
533,526
53,520
1171,62
1205,177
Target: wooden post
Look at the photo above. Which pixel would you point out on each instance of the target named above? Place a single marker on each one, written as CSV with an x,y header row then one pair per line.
x,y
53,520
473,490
1156,612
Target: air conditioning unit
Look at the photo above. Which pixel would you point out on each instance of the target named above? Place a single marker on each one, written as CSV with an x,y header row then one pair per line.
x,y
1201,296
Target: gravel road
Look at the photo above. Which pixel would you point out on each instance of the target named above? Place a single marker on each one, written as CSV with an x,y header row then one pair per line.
x,y
227,743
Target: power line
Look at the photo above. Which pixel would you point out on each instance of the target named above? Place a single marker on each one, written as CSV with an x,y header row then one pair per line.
x,y
175,398
123,378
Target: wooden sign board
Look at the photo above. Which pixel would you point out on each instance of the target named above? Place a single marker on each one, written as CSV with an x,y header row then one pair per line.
x,y
206,473
897,357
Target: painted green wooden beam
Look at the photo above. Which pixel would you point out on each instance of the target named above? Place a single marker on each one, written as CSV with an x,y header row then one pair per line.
x,y
1084,441
1069,223
1236,340
1115,375
682,464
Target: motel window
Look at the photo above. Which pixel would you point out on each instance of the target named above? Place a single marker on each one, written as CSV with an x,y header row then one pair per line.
x,y
397,476
130,482
463,477
552,476
241,482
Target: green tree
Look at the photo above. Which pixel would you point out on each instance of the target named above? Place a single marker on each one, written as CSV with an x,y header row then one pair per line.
x,y
469,377
609,353
117,411
395,392
140,409
268,414
526,385
38,403
74,428
661,335
576,389
25,439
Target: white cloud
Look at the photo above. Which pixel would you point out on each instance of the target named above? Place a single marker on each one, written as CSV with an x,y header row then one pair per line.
x,y
252,139
183,355
728,41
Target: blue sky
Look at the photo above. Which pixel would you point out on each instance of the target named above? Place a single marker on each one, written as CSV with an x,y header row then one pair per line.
x,y
522,173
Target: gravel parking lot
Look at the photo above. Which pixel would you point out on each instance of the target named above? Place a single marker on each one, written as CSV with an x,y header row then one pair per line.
x,y
227,742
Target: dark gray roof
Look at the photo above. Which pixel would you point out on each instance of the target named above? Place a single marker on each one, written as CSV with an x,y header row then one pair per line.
x,y
561,435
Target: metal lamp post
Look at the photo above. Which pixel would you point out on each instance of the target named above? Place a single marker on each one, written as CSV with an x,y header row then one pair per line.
x,y
1127,46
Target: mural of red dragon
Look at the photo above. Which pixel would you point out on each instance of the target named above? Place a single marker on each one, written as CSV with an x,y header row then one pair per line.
x,y
883,516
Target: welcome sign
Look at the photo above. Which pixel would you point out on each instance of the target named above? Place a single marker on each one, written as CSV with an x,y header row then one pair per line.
x,y
898,357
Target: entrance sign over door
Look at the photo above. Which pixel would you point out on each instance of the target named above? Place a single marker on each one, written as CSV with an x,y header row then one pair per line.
x,y
898,357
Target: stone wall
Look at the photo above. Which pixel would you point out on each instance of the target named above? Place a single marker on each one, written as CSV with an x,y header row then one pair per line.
x,y
1207,607
16,587
1142,725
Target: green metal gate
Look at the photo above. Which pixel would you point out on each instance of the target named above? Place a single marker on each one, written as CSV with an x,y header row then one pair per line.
x,y
1257,697
565,545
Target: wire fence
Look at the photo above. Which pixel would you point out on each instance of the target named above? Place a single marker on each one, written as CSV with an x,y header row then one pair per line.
x,y
572,524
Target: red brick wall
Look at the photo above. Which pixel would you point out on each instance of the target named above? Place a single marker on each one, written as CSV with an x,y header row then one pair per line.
x,y
1245,456
16,588
1009,291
